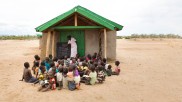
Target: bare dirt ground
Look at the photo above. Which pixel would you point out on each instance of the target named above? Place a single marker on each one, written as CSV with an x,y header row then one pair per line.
x,y
151,71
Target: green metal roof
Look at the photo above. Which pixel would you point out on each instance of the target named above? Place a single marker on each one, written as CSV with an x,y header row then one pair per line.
x,y
85,12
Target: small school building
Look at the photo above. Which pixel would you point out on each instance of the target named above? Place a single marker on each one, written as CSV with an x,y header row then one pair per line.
x,y
93,33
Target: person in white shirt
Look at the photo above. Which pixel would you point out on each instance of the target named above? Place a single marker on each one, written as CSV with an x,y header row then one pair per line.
x,y
72,42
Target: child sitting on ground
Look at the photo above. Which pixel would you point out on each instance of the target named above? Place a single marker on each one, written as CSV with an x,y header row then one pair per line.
x,y
70,78
41,76
76,77
66,61
84,69
88,58
109,70
51,65
117,68
47,64
59,76
92,76
55,60
61,63
65,82
101,76
27,76
70,73
51,84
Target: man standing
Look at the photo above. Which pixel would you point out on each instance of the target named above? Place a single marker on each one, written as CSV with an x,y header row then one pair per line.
x,y
72,42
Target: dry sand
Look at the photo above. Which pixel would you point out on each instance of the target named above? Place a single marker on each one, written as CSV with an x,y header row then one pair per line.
x,y
151,71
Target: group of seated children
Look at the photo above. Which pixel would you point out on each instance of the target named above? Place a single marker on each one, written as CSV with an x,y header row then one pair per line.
x,y
68,73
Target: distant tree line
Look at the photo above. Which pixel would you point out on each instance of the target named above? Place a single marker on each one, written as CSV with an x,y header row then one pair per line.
x,y
151,36
18,37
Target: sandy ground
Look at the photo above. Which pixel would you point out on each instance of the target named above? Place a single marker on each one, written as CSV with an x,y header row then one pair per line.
x,y
151,71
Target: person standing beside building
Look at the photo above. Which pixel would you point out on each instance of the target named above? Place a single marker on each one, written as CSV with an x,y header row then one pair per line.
x,y
72,42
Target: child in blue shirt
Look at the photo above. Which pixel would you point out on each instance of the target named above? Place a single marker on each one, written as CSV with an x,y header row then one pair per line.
x,y
47,64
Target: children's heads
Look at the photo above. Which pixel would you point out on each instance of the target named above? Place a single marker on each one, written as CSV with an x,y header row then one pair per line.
x,y
47,59
109,67
117,63
100,67
52,64
84,64
42,69
73,60
89,57
50,75
65,71
82,59
95,54
50,56
91,62
92,68
70,68
74,67
37,57
77,55
95,64
104,60
60,70
61,62
54,69
55,59
94,57
42,64
26,65
65,57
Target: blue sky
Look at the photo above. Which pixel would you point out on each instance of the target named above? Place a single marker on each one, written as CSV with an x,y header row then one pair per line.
x,y
20,17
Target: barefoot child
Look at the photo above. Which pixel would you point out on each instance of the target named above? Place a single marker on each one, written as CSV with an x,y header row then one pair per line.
x,y
101,76
109,70
76,77
27,75
47,64
59,76
70,78
65,82
117,68
93,76
51,84
41,76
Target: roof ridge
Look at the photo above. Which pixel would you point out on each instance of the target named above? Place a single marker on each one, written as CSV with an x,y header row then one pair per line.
x,y
83,11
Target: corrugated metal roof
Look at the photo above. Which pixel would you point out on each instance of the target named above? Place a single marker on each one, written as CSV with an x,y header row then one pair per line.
x,y
85,12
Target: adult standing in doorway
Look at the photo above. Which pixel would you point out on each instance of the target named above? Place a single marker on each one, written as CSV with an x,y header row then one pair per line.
x,y
72,42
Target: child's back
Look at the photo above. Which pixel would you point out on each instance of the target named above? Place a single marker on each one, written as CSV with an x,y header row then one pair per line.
x,y
65,82
93,76
109,70
59,76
